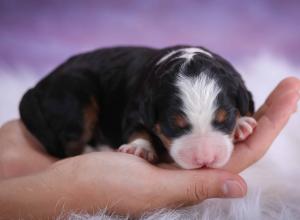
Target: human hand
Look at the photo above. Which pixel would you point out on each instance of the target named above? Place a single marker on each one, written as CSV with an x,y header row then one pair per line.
x,y
120,183
127,184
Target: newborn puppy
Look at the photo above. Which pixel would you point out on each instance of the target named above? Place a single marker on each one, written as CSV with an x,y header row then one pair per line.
x,y
184,101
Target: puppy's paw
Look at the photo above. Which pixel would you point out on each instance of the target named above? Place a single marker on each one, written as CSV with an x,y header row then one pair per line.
x,y
244,128
141,148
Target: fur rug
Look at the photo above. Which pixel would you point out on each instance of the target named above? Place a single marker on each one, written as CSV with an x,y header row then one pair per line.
x,y
273,191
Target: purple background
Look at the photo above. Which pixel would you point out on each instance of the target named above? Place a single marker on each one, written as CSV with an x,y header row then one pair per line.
x,y
41,34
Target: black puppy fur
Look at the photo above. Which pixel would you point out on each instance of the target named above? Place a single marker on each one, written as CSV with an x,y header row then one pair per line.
x,y
104,96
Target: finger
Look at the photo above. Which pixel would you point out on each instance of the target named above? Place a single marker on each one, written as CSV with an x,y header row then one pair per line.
x,y
20,152
268,127
285,86
192,186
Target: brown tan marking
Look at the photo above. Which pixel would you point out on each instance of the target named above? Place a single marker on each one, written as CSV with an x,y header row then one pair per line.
x,y
166,141
180,121
90,119
221,115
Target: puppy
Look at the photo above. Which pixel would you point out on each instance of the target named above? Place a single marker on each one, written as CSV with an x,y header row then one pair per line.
x,y
183,101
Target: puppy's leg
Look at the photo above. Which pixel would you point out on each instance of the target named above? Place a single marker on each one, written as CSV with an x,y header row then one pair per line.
x,y
140,145
244,128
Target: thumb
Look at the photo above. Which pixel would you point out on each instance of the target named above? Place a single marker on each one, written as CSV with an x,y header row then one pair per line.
x,y
193,186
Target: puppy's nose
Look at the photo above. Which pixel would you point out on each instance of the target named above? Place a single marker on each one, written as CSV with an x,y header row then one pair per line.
x,y
195,151
205,161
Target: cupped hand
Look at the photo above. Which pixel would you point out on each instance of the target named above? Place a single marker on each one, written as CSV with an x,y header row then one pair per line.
x,y
124,183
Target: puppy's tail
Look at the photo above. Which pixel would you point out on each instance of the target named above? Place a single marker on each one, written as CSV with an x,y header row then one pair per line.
x,y
33,118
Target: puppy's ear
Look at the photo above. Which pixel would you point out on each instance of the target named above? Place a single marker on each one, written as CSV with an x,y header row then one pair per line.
x,y
244,101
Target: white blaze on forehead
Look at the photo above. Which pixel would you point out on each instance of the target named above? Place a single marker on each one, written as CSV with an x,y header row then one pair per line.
x,y
187,53
198,95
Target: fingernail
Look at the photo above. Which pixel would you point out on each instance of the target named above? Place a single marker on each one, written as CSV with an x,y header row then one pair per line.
x,y
298,103
232,188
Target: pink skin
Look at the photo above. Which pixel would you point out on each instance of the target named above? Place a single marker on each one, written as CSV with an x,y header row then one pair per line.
x,y
195,150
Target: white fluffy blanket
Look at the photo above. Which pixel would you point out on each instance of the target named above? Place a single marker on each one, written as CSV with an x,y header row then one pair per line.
x,y
273,182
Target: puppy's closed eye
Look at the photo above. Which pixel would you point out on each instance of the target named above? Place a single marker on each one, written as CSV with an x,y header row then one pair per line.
x,y
221,115
180,121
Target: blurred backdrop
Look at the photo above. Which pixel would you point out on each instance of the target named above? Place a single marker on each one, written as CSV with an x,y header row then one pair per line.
x,y
258,37
40,33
